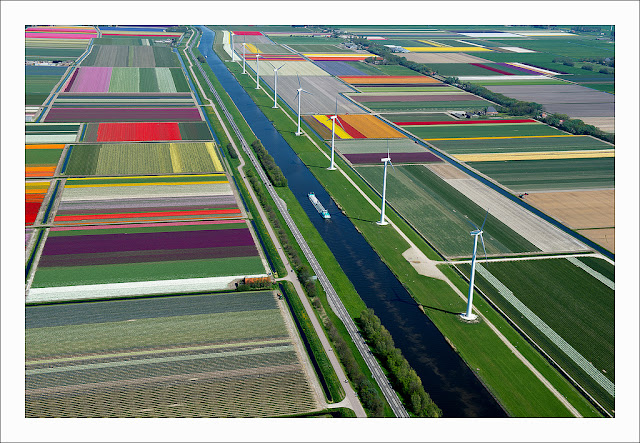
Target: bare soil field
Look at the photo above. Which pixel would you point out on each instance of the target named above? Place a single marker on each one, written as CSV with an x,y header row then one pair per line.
x,y
324,90
604,237
578,209
454,57
607,124
573,100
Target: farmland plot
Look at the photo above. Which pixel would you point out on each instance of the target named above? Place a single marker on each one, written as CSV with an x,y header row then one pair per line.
x,y
42,160
557,174
567,309
36,133
146,131
441,213
143,158
212,355
137,199
153,258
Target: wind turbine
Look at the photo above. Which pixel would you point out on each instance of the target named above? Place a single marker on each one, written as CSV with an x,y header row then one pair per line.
x,y
233,51
470,316
334,119
257,72
386,160
275,85
299,97
244,54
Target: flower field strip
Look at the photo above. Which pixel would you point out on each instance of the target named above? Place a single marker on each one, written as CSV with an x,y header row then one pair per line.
x,y
143,158
419,117
548,155
247,33
338,57
524,144
413,97
369,126
37,133
106,249
389,79
499,71
328,123
140,34
89,79
123,99
463,122
119,56
480,131
276,57
135,199
36,31
146,131
413,191
339,68
151,366
125,80
124,114
365,146
576,311
34,194
398,157
427,106
146,253
553,174
42,160
446,49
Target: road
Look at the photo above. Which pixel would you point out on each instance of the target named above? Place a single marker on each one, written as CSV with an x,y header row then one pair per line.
x,y
334,301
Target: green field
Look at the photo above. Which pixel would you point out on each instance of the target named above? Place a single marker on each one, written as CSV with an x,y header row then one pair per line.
x,y
565,46
545,81
299,40
140,158
431,90
212,355
52,53
575,305
533,144
483,130
441,213
428,105
42,156
557,174
604,87
55,276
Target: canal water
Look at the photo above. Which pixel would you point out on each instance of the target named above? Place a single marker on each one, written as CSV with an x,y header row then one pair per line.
x,y
451,384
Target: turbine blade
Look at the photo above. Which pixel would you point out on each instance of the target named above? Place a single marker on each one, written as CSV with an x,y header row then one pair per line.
x,y
307,92
299,85
336,113
485,219
483,248
338,120
470,222
394,168
280,67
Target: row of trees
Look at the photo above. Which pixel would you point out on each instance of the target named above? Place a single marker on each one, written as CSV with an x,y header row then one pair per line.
x,y
404,378
367,393
576,126
268,163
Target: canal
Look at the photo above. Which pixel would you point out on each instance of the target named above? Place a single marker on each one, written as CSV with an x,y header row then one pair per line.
x,y
451,384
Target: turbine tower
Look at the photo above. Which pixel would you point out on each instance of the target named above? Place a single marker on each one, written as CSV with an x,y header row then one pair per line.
x,y
386,160
468,315
275,85
233,51
244,56
334,119
299,98
257,72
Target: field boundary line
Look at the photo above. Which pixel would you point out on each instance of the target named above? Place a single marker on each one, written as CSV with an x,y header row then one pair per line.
x,y
593,273
561,343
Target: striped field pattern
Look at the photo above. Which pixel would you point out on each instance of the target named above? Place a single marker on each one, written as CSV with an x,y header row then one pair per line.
x,y
42,160
146,131
352,126
212,355
146,198
34,194
143,158
127,259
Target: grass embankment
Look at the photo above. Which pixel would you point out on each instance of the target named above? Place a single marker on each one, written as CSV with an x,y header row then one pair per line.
x,y
339,280
328,378
515,386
